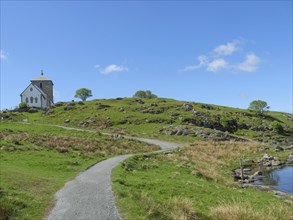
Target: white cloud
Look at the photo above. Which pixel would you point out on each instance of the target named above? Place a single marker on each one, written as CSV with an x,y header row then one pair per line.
x,y
250,64
226,49
3,55
217,65
203,61
111,68
217,59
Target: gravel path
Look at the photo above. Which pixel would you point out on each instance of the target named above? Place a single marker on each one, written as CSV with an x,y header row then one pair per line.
x,y
89,196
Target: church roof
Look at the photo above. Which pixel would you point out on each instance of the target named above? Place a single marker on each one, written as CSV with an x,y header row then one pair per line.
x,y
41,78
37,88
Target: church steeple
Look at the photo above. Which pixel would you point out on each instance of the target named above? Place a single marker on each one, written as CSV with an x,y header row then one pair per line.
x,y
45,84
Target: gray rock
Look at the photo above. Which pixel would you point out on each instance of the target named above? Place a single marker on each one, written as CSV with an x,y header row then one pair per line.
x,y
278,149
117,136
187,107
139,101
276,163
267,163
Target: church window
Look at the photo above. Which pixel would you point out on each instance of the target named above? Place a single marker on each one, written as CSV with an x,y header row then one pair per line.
x,y
41,85
36,100
32,99
31,89
26,99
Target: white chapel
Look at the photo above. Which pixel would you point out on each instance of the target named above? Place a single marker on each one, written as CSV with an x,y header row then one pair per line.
x,y
39,93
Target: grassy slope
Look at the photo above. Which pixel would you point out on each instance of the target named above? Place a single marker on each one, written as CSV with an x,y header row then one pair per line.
x,y
193,188
36,161
107,115
193,183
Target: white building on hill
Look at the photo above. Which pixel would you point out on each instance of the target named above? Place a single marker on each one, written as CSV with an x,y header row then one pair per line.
x,y
39,93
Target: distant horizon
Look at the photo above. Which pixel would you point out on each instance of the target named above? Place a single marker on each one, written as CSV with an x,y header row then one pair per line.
x,y
224,53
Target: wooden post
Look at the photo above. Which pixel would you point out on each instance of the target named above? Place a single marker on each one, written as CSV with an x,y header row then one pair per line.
x,y
241,169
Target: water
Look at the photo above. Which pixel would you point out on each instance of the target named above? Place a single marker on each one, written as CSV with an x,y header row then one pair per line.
x,y
281,179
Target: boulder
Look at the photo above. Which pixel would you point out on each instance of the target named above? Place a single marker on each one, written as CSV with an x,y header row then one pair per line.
x,y
290,159
267,163
139,101
278,149
276,163
153,111
117,136
187,107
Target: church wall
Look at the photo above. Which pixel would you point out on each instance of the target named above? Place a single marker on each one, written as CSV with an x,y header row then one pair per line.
x,y
33,98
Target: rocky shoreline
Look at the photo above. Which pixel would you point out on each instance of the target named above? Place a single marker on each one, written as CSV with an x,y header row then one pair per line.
x,y
247,175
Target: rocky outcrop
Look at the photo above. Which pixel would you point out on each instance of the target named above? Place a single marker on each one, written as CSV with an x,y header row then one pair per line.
x,y
153,111
290,160
139,101
96,123
187,107
205,134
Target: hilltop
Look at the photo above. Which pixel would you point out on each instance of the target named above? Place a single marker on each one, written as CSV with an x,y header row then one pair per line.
x,y
165,119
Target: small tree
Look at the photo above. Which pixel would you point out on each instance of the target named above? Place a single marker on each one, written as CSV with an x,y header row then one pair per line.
x,y
258,106
83,93
144,94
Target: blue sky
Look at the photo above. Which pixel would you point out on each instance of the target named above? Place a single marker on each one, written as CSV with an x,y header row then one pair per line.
x,y
226,53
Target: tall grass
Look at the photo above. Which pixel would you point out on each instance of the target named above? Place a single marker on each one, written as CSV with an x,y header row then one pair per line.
x,y
244,211
176,208
213,159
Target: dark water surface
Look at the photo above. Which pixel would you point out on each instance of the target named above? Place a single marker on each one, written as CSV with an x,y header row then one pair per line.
x,y
281,179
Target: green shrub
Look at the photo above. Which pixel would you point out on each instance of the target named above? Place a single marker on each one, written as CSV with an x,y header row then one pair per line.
x,y
229,125
22,105
277,127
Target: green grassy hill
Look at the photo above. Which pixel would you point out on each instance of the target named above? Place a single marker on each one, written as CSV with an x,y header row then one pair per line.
x,y
166,119
37,159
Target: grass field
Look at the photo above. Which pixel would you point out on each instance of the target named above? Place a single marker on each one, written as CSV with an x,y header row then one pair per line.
x,y
36,161
193,183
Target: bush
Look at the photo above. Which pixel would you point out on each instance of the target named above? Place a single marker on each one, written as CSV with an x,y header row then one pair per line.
x,y
277,127
144,94
229,125
22,105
